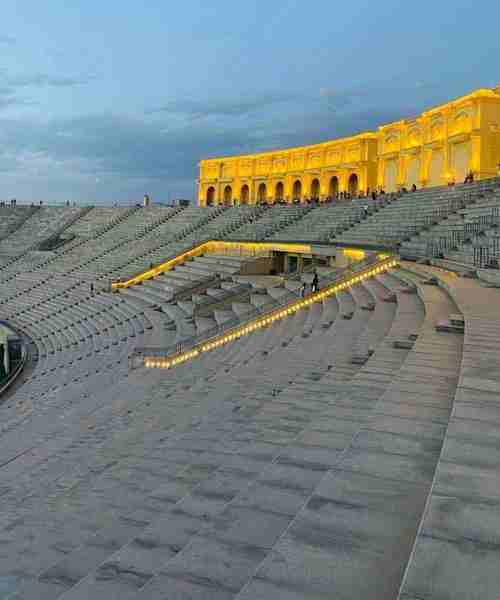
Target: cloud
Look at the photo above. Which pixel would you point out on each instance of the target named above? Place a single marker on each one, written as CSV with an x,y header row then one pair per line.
x,y
231,107
122,148
7,40
8,98
43,80
119,145
158,152
11,86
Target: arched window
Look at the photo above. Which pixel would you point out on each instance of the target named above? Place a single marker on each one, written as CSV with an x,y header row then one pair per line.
x,y
262,193
353,184
315,188
279,192
245,193
228,194
334,186
297,190
210,196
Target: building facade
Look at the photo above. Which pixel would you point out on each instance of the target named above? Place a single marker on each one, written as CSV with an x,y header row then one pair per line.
x,y
442,145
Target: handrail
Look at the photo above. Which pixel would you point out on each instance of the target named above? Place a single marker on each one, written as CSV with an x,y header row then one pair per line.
x,y
186,292
12,375
202,247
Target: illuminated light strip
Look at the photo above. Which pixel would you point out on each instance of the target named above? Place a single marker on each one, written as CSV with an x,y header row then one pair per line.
x,y
175,360
215,246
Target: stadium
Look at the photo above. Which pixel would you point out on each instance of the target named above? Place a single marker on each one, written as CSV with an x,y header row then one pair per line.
x,y
280,397
249,300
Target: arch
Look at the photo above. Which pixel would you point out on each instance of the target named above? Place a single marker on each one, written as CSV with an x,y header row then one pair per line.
x,y
262,193
334,186
279,191
228,194
297,190
210,195
353,183
245,194
315,189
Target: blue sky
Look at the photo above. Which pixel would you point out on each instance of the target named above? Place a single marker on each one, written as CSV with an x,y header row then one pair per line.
x,y
102,101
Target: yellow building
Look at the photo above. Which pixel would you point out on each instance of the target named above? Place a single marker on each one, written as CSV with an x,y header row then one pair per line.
x,y
441,145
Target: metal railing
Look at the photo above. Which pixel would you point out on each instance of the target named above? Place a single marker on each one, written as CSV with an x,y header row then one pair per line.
x,y
467,232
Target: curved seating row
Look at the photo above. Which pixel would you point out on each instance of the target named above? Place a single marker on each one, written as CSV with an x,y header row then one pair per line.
x,y
224,447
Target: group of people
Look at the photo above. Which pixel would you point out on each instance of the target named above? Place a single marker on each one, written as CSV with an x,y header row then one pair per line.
x,y
340,196
469,178
314,285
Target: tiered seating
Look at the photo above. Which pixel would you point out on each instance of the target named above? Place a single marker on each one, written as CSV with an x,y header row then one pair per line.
x,y
347,450
274,219
412,213
115,249
112,237
458,235
201,225
99,220
252,432
325,221
74,333
41,225
455,553
12,217
226,297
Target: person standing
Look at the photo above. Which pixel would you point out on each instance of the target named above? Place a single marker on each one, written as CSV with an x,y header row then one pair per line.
x,y
315,282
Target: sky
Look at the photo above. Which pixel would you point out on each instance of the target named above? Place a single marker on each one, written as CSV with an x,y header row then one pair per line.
x,y
103,101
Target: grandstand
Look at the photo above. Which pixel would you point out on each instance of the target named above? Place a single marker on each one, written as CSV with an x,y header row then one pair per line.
x,y
189,423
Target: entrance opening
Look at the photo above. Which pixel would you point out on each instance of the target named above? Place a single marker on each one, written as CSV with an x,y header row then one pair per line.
x,y
245,193
297,190
353,184
228,194
262,193
334,186
315,189
210,196
279,192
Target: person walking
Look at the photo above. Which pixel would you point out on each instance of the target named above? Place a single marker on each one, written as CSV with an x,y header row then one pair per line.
x,y
303,289
315,282
91,288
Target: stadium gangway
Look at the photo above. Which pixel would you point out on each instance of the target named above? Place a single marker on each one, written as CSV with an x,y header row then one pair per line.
x,y
167,357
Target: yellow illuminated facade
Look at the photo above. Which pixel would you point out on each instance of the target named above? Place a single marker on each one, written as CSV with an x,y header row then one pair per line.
x,y
440,146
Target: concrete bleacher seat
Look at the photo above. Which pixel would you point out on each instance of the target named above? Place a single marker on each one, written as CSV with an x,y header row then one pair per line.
x,y
325,221
317,457
413,213
270,354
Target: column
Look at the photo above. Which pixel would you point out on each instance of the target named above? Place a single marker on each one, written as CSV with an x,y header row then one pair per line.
x,y
447,175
